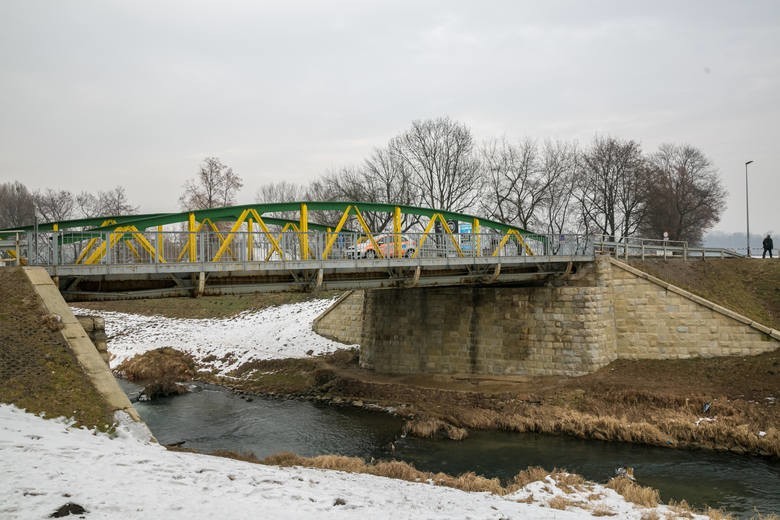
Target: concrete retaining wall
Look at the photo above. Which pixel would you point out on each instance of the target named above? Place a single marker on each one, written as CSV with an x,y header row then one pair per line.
x,y
611,311
86,354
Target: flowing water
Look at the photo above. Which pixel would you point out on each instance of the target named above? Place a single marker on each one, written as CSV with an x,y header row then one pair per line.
x,y
212,418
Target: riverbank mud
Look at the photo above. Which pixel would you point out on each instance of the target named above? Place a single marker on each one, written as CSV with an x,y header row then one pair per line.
x,y
727,404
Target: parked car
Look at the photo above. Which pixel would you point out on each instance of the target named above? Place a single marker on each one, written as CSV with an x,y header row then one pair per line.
x,y
365,248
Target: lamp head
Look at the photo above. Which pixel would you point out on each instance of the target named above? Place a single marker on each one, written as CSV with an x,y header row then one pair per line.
x,y
748,163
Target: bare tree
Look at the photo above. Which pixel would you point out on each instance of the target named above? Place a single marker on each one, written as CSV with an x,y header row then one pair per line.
x,y
557,212
439,154
389,181
17,206
55,206
348,184
515,185
281,191
685,196
110,203
612,187
216,185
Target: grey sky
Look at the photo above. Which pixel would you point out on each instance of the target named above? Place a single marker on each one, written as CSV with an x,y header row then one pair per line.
x,y
95,94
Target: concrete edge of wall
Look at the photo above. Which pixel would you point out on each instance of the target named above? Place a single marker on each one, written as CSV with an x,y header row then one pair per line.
x,y
74,334
331,308
773,333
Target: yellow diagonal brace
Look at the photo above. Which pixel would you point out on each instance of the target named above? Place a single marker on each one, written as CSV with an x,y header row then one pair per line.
x,y
447,230
221,237
332,237
519,238
129,245
226,242
288,226
370,233
99,252
424,236
141,239
449,233
267,232
86,249
92,241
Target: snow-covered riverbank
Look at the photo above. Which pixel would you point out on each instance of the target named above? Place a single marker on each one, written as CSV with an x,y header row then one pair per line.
x,y
45,464
283,331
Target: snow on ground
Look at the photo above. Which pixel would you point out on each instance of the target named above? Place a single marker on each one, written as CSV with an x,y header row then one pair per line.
x,y
275,332
45,464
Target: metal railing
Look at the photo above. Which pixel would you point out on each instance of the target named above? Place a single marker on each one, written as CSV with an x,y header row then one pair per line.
x,y
643,248
11,248
157,247
209,246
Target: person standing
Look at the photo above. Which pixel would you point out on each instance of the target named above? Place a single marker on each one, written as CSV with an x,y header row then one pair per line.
x,y
768,246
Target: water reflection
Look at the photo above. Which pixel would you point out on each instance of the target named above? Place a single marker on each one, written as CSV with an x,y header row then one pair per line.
x,y
215,419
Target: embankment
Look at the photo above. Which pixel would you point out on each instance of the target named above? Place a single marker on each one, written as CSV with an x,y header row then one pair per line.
x,y
48,364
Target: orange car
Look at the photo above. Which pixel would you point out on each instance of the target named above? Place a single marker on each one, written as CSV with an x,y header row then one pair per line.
x,y
386,243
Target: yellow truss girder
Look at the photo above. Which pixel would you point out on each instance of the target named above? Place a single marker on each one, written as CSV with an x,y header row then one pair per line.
x,y
509,234
237,225
115,237
343,220
447,231
188,246
84,252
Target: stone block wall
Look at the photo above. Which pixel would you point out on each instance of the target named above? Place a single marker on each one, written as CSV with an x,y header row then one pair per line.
x,y
657,320
487,330
342,321
95,327
611,311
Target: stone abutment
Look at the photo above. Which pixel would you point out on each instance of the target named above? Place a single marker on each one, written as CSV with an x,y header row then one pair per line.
x,y
610,311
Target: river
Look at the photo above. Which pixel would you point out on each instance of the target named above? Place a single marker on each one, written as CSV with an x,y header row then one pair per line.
x,y
212,418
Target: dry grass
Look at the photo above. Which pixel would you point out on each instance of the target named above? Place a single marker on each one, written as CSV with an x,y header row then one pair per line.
x,y
473,482
633,492
717,514
528,475
559,502
429,428
159,364
160,370
650,515
602,510
404,471
659,426
245,457
568,482
681,509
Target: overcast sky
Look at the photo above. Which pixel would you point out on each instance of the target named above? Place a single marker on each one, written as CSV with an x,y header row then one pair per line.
x,y
95,94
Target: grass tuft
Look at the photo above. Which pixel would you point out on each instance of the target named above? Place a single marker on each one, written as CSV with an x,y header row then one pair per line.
x,y
633,492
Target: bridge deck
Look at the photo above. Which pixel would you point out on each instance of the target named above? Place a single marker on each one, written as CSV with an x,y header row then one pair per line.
x,y
180,279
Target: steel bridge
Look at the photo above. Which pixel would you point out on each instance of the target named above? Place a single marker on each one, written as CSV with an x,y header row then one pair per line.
x,y
295,246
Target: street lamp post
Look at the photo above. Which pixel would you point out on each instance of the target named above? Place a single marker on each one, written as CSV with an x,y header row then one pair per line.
x,y
747,208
